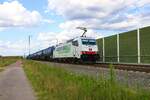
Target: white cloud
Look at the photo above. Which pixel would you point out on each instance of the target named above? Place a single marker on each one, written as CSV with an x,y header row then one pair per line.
x,y
49,21
2,29
142,2
20,47
95,24
14,14
12,48
102,14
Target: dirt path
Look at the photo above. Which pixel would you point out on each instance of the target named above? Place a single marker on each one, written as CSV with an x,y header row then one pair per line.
x,y
14,84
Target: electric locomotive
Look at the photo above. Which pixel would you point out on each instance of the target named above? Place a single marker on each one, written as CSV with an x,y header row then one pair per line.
x,y
80,49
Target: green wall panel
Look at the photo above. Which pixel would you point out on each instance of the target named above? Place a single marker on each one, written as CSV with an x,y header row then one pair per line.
x,y
128,47
111,49
145,44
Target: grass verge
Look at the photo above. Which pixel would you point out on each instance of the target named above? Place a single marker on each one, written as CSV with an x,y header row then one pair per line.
x,y
51,83
4,61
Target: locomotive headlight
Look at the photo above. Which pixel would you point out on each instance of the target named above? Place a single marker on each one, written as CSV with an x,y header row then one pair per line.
x,y
90,49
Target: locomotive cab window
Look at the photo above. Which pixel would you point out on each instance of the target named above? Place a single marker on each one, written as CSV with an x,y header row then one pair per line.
x,y
88,41
75,43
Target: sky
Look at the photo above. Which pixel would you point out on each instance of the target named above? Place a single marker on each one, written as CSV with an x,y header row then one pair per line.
x,y
51,21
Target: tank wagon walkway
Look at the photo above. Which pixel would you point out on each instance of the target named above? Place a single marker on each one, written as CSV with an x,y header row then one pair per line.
x,y
14,84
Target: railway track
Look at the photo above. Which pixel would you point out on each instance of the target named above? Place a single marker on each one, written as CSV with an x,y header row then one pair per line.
x,y
127,67
120,66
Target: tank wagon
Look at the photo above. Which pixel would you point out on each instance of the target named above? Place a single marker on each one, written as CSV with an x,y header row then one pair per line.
x,y
45,54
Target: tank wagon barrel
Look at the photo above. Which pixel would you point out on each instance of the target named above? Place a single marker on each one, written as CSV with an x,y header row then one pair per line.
x,y
45,54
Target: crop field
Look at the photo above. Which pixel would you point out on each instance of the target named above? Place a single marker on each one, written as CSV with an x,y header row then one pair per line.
x,y
52,83
4,61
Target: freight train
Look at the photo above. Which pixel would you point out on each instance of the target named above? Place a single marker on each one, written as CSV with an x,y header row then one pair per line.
x,y
80,49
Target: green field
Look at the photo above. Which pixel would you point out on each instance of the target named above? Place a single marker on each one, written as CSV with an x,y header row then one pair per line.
x,y
51,83
4,61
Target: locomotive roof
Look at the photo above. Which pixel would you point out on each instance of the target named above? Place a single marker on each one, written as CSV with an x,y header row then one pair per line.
x,y
80,37
74,39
